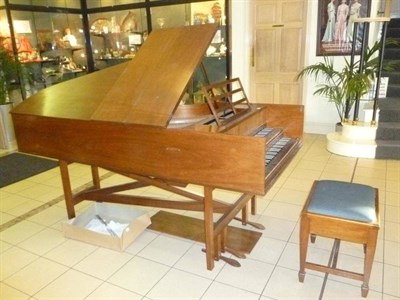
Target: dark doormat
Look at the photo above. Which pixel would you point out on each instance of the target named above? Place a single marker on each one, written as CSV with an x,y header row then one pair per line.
x,y
190,228
17,166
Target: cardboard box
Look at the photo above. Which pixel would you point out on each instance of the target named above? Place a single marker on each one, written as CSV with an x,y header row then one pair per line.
x,y
100,214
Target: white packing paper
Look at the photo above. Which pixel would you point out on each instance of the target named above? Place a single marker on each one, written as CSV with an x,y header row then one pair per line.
x,y
99,227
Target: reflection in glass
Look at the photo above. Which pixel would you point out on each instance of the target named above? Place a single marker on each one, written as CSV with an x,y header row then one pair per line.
x,y
49,3
116,36
161,22
130,23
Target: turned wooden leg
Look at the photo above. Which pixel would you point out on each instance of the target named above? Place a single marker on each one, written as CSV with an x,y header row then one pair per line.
x,y
304,233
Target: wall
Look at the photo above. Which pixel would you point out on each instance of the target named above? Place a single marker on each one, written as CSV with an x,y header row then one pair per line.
x,y
241,39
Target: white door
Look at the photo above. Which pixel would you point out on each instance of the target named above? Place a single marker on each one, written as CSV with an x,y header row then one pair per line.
x,y
278,35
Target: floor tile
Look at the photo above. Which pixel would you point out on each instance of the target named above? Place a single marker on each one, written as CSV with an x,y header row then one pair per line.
x,y
4,246
109,291
305,174
376,183
290,258
392,214
392,253
389,297
391,279
24,208
303,185
13,260
43,241
18,186
356,264
276,228
165,249
20,232
392,231
335,176
285,211
393,185
337,290
44,176
70,252
284,284
102,263
340,168
317,156
139,275
5,218
141,241
194,261
251,276
49,216
291,196
72,283
7,292
354,249
177,284
39,192
392,199
267,250
393,174
222,291
311,165
371,172
35,276
372,163
10,201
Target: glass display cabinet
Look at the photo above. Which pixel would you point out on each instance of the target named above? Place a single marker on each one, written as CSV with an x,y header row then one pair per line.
x,y
58,40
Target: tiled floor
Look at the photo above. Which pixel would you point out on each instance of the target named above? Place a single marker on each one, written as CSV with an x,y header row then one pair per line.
x,y
37,262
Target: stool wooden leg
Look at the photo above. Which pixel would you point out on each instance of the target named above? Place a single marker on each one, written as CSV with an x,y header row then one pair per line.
x,y
313,238
369,258
304,234
336,254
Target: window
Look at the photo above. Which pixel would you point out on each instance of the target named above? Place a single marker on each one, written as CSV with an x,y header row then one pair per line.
x,y
55,30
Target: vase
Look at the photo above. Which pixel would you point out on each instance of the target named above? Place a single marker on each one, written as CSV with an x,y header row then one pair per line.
x,y
7,135
338,127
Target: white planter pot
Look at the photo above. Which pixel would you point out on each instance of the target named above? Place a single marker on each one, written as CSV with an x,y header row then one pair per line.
x,y
7,135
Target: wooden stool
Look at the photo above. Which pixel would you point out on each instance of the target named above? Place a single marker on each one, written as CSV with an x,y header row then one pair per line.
x,y
341,211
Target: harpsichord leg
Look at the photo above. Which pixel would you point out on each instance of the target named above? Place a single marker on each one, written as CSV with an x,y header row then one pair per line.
x,y
69,201
253,205
245,216
95,176
209,227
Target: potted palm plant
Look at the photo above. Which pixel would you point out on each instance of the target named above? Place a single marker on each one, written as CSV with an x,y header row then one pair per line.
x,y
343,86
9,73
